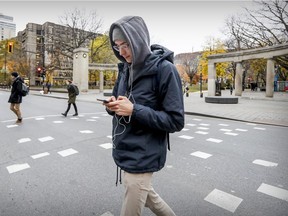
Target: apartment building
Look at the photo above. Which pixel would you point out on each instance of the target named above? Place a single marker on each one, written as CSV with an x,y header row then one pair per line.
x,y
7,27
49,50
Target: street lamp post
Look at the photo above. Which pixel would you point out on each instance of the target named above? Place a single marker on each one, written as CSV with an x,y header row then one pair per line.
x,y
201,93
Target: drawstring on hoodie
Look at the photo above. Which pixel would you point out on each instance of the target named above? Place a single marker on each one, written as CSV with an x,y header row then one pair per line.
x,y
118,174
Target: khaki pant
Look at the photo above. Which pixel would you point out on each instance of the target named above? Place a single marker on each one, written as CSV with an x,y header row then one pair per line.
x,y
139,193
15,107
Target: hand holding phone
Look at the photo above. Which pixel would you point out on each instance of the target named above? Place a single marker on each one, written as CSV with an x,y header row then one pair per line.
x,y
103,100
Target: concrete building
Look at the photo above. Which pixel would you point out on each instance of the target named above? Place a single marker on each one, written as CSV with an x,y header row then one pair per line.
x,y
48,60
7,27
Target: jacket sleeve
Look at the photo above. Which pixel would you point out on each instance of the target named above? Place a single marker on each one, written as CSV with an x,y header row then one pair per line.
x,y
170,117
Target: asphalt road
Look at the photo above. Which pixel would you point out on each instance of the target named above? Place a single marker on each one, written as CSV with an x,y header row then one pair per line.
x,y
52,165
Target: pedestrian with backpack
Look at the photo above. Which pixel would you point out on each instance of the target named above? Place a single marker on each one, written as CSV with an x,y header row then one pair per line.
x,y
15,98
73,92
146,105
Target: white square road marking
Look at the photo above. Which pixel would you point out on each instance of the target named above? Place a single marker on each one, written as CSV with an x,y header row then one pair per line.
x,y
195,119
201,132
17,167
91,120
202,128
192,125
67,152
259,128
203,124
106,145
273,191
86,131
40,155
226,125
231,134
45,139
201,154
214,140
224,200
11,126
185,137
185,129
23,140
226,130
242,130
265,163
57,122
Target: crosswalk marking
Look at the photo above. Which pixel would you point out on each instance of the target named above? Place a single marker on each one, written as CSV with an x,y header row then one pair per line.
x,y
226,130
23,140
273,191
86,131
67,152
224,200
45,139
214,140
231,134
202,128
201,154
40,155
57,122
91,120
204,124
17,167
259,128
225,125
185,137
264,163
242,130
201,132
11,126
106,145
192,125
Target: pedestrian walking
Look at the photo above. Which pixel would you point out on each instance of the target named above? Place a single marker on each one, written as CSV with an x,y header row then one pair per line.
x,y
146,105
15,98
72,94
231,89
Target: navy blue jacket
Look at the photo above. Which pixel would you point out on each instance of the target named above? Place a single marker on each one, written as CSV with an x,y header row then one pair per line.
x,y
154,87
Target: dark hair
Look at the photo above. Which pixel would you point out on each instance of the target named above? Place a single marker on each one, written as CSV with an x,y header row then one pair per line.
x,y
15,74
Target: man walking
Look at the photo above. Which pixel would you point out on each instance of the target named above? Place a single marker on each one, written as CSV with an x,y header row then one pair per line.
x,y
72,94
15,98
146,105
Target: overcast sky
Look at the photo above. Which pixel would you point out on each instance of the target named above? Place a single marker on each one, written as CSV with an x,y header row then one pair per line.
x,y
181,26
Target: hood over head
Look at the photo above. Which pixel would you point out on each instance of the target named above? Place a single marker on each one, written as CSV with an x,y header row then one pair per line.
x,y
135,32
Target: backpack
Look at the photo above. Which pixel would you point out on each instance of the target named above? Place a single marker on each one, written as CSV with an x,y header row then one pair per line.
x,y
24,89
76,89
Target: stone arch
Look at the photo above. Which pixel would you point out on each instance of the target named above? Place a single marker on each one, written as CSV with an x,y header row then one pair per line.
x,y
238,57
81,68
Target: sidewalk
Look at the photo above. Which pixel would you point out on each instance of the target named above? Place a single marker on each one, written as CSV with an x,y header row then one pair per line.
x,y
252,107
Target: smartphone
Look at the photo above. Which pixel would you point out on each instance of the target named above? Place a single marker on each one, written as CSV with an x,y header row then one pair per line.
x,y
103,100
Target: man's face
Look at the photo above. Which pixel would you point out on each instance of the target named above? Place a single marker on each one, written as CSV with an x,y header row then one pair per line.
x,y
124,50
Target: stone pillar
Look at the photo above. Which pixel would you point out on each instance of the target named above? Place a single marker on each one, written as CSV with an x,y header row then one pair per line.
x,y
211,79
101,79
270,73
238,79
80,68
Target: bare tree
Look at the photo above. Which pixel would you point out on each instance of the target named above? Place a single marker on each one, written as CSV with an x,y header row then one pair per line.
x,y
80,30
190,62
265,26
